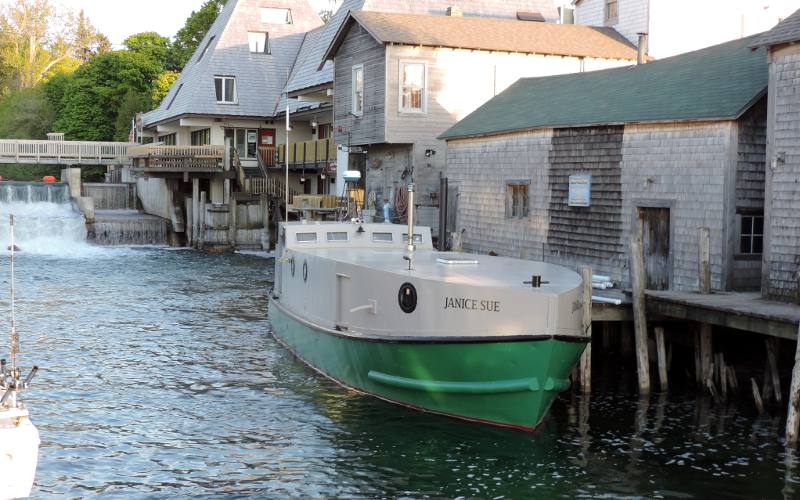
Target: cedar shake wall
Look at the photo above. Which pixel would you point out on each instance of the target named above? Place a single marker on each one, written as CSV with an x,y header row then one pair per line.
x,y
360,48
782,253
750,189
681,166
478,170
587,235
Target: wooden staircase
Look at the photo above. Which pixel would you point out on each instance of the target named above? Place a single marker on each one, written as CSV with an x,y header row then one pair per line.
x,y
255,181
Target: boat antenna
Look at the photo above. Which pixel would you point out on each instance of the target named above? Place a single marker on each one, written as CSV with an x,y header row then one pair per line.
x,y
14,334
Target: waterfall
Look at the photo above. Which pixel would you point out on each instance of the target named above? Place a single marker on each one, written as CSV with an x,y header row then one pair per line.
x,y
127,227
44,221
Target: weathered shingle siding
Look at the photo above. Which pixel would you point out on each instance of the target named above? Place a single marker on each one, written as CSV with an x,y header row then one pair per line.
x,y
478,170
782,260
587,235
752,158
682,167
360,48
632,19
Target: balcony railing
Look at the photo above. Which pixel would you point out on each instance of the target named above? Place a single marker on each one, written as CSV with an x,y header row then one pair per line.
x,y
63,152
177,158
309,153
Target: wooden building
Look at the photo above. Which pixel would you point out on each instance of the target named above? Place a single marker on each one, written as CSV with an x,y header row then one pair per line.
x,y
400,80
781,258
563,168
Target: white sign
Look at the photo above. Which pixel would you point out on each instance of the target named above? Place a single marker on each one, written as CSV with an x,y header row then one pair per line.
x,y
580,190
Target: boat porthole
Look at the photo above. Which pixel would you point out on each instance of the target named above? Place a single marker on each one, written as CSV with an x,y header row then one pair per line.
x,y
305,271
291,267
407,297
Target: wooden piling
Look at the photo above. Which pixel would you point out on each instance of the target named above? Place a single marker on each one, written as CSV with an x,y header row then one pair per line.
x,y
662,358
793,418
639,313
606,335
759,403
232,223
772,347
706,353
201,223
704,261
195,210
586,358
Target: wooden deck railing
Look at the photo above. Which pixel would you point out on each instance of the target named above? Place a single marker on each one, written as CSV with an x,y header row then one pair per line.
x,y
270,187
268,155
312,153
150,150
177,158
77,152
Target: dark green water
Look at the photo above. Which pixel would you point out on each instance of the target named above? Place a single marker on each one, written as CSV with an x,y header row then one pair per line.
x,y
160,379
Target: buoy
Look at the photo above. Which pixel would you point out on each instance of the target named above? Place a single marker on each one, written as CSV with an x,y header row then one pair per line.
x,y
48,178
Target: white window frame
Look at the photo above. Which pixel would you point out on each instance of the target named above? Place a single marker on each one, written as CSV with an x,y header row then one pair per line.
x,y
251,37
226,78
353,92
400,108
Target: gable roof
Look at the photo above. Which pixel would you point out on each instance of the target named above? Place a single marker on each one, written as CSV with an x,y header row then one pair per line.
x,y
504,35
786,31
225,51
311,70
716,83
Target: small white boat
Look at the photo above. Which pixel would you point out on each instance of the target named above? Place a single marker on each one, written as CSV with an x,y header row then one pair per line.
x,y
19,438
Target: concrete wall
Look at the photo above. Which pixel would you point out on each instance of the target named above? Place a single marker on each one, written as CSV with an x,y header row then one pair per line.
x,y
109,196
781,259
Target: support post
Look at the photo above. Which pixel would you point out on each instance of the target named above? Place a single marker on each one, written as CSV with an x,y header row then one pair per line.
x,y
265,242
442,214
586,357
201,215
706,353
772,360
792,419
639,314
232,223
195,211
662,358
704,262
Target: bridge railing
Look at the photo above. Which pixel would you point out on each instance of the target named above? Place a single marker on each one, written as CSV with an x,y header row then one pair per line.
x,y
63,151
154,158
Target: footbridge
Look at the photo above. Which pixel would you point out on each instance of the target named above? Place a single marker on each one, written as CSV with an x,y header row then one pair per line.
x,y
60,152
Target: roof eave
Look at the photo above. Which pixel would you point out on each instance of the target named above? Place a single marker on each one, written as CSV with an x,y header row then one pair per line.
x,y
337,40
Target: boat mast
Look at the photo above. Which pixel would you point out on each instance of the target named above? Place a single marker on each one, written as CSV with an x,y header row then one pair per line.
x,y
14,334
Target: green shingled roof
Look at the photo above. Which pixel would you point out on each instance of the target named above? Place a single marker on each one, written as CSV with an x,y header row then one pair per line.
x,y
715,83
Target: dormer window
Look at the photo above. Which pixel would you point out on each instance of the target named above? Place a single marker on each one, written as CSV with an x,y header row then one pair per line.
x,y
259,43
271,15
225,87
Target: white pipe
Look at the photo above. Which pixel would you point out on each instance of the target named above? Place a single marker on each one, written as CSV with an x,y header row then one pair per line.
x,y
410,211
606,300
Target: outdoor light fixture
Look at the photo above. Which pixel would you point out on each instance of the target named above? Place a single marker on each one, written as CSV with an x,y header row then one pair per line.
x,y
429,153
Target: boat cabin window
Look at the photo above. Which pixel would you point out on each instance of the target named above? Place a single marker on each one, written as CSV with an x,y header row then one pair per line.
x,y
337,236
417,238
306,237
382,237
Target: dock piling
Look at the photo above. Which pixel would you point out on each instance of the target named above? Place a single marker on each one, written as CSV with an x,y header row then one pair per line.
x,y
792,420
759,403
639,315
772,347
662,358
586,357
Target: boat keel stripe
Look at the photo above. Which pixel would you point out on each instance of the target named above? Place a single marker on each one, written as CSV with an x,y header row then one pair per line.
x,y
493,387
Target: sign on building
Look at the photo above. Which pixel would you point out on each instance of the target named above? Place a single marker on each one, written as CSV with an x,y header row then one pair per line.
x,y
580,190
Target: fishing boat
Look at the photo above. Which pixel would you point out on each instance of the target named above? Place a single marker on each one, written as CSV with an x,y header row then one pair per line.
x,y
19,438
481,338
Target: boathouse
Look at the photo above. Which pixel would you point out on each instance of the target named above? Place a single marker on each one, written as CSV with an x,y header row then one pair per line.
x,y
400,80
563,168
781,257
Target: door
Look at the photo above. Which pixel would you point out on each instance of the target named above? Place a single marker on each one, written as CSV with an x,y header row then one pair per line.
x,y
655,242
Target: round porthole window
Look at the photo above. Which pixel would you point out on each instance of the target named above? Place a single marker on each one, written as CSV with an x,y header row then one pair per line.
x,y
407,297
305,271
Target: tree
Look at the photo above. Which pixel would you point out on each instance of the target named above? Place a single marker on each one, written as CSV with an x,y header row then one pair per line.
x,y
88,41
189,37
26,114
162,85
133,102
149,44
93,96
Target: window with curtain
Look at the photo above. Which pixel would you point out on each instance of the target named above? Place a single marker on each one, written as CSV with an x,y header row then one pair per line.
x,y
412,87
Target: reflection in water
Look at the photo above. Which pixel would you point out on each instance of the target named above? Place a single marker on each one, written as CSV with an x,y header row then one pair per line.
x,y
159,378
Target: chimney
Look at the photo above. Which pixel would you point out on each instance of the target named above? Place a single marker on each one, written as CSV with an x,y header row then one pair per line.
x,y
642,53
455,11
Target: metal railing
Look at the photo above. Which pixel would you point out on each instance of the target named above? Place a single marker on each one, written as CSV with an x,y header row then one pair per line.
x,y
30,151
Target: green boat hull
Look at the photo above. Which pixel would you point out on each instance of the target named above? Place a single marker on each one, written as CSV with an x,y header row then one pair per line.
x,y
509,382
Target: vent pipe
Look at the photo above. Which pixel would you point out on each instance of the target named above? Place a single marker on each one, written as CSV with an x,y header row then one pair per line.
x,y
642,52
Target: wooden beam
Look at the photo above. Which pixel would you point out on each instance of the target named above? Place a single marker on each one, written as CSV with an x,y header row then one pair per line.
x,y
662,359
704,260
639,313
793,418
586,357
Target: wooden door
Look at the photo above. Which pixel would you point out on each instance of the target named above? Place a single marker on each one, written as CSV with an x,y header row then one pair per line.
x,y
655,242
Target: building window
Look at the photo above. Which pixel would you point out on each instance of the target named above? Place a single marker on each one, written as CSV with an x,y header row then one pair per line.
x,y
412,87
205,49
271,15
245,141
259,42
358,90
201,137
226,89
751,238
517,199
167,140
612,11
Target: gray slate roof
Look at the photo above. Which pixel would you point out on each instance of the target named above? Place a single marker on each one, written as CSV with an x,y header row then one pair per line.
x,y
716,83
308,73
786,31
260,78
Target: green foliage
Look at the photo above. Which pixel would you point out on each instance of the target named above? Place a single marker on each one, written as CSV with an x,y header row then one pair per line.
x,y
26,114
93,96
88,41
133,102
162,85
151,45
189,37
28,173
